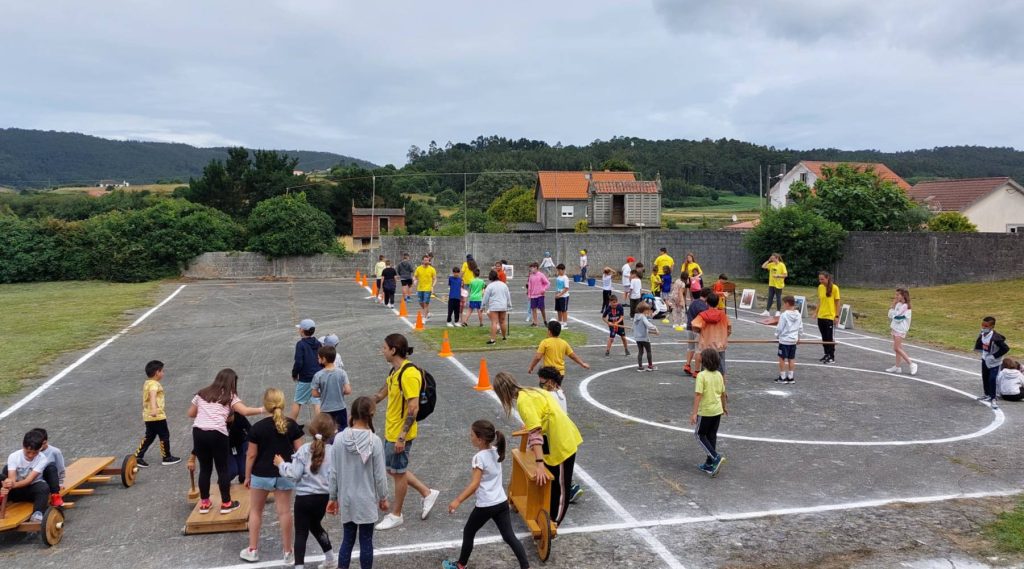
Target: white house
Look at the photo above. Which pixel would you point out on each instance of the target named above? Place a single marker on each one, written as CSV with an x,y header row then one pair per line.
x,y
995,205
808,171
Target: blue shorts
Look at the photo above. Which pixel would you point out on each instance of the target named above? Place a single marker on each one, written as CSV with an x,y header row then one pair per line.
x,y
787,351
396,463
537,303
475,304
613,330
562,304
271,483
304,393
423,296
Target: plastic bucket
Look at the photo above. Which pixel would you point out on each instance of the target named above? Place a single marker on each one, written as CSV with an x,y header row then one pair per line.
x,y
576,278
591,282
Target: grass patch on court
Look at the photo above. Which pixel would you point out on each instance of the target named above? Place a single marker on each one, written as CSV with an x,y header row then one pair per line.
x,y
474,338
947,316
1007,531
38,321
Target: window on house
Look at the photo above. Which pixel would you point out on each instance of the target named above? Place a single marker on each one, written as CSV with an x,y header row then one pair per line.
x,y
568,211
803,177
383,225
1015,228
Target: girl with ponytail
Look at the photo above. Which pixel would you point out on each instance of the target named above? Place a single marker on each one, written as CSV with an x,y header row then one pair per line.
x,y
310,469
275,436
491,501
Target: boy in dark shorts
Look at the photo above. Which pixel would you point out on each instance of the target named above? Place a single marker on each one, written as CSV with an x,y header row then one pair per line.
x,y
405,270
614,314
788,332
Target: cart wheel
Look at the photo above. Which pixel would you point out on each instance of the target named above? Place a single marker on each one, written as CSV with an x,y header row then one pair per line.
x,y
544,540
53,527
129,468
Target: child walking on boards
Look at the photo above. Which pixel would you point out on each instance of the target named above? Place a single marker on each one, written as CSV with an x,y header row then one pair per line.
x,y
491,501
710,402
358,485
788,331
310,469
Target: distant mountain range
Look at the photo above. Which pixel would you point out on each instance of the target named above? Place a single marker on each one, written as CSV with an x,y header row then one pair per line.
x,y
40,159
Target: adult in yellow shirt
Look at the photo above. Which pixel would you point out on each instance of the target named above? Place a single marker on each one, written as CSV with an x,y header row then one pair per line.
x,y
553,439
553,350
660,262
424,278
827,314
776,282
402,390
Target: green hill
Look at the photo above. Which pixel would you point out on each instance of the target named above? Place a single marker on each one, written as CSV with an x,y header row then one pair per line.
x,y
39,159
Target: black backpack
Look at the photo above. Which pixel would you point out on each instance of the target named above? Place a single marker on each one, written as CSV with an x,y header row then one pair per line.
x,y
428,392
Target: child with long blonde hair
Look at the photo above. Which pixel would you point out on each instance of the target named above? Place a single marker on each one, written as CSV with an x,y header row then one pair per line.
x,y
275,435
899,325
310,469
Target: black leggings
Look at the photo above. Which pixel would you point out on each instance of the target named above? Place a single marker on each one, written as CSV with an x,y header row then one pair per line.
x,y
309,513
212,449
389,296
640,347
774,293
154,430
827,328
348,540
477,518
633,303
560,488
706,434
454,307
605,295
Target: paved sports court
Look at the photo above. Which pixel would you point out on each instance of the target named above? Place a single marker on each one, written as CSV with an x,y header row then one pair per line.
x,y
843,440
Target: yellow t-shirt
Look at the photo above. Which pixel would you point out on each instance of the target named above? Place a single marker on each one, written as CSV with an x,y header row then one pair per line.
x,y
394,416
711,386
827,305
689,270
662,261
379,268
424,278
555,350
156,389
467,277
538,409
774,271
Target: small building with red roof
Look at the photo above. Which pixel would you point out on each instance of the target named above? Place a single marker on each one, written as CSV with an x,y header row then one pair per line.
x,y
808,172
994,205
604,199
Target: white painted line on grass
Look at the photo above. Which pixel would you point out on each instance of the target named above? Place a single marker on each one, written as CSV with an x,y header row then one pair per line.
x,y
64,372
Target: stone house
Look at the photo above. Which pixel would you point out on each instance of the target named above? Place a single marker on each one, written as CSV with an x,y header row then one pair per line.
x,y
606,200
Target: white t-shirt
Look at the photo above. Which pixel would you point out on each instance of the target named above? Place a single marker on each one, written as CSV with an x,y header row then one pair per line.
x,y
625,275
606,282
559,396
634,289
21,466
490,492
583,261
562,284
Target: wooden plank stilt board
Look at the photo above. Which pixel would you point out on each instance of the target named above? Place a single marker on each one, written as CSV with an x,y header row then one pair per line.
x,y
81,492
216,522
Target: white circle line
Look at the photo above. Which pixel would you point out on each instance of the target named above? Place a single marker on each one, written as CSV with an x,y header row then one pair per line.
x,y
995,424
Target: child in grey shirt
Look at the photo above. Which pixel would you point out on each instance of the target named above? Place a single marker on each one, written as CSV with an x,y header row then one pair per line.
x,y
642,329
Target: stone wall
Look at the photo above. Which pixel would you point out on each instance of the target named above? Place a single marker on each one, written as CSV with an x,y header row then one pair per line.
x,y
240,265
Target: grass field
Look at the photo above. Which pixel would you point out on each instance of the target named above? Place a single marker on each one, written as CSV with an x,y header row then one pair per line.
x,y
728,203
1007,531
153,188
474,338
945,316
40,320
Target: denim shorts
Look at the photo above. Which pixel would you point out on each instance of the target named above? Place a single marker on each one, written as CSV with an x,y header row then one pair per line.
x,y
396,463
304,393
271,483
423,296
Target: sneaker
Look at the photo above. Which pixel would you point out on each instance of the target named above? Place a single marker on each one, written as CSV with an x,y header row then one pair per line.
x,y
450,325
447,564
703,467
428,503
389,521
640,369
994,406
913,368
894,369
766,313
652,368
777,314
789,380
715,466
491,342
982,398
250,555
204,507
169,460
288,558
142,463
824,359
56,501
695,373
780,379
688,369
228,507
679,328
627,352
607,353
575,491
565,326
830,360
330,563
665,320
36,517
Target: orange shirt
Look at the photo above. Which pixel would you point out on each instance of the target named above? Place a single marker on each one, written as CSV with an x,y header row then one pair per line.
x,y
713,335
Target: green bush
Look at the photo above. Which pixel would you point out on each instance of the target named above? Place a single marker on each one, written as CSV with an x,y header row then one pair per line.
x,y
807,242
289,225
582,226
952,221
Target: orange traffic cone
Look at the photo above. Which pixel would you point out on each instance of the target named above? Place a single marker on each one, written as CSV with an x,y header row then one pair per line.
x,y
359,277
363,282
446,348
373,290
402,309
419,320
484,382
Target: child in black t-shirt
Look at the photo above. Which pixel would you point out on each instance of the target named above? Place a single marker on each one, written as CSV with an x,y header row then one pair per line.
x,y
613,316
388,283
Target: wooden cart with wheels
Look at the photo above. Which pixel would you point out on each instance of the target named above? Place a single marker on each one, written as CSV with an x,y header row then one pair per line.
x,y
16,516
530,500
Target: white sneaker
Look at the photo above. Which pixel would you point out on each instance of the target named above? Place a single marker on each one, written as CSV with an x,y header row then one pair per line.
x,y
36,517
288,558
250,555
894,369
565,325
331,563
450,325
428,503
777,313
389,521
913,368
766,313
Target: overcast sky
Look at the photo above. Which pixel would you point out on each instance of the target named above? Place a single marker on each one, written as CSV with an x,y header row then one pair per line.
x,y
369,79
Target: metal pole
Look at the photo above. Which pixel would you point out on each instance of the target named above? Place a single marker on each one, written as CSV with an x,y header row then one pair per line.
x,y
465,214
373,204
760,188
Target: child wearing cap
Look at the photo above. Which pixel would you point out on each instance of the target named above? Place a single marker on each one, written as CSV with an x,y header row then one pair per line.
x,y
333,341
305,367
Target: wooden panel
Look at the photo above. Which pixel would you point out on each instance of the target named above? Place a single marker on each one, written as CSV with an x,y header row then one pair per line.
x,y
80,492
214,521
17,512
81,470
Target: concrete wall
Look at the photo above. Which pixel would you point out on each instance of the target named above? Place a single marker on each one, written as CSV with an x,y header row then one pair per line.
x,y
240,265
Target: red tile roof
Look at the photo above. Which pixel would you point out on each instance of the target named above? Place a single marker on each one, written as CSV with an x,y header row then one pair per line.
x,y
954,195
632,187
881,169
573,185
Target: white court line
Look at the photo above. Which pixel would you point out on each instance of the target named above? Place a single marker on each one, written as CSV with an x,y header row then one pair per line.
x,y
599,328
1000,418
668,522
655,544
64,372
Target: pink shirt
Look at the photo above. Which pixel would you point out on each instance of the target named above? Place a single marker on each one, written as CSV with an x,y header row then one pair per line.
x,y
213,416
536,284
